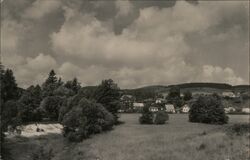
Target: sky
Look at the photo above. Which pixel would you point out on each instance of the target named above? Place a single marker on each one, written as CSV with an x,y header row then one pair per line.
x,y
135,43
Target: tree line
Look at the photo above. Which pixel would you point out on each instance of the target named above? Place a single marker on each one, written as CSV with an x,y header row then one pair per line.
x,y
81,111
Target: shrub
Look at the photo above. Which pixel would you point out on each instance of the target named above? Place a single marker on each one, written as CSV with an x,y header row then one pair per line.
x,y
42,154
239,129
85,119
161,117
68,104
147,116
208,109
51,105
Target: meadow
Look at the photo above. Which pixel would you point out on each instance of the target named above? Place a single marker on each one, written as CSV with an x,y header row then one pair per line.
x,y
176,140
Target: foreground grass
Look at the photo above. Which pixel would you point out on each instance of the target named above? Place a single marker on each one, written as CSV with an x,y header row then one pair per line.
x,y
177,140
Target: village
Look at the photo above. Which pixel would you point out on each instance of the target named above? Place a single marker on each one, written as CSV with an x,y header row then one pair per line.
x,y
233,103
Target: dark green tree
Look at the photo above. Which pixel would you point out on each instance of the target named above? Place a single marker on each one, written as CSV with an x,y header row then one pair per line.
x,y
9,88
84,118
187,96
161,117
208,109
174,92
50,84
174,97
28,107
108,94
51,106
74,85
36,93
60,82
147,117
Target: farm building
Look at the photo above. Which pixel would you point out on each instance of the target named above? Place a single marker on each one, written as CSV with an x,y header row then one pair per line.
x,y
228,94
170,108
153,109
127,102
246,110
138,105
185,108
229,109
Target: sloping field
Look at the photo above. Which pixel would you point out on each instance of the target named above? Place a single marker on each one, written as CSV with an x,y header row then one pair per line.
x,y
177,140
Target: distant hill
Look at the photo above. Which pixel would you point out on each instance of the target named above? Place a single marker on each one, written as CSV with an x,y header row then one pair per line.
x,y
151,91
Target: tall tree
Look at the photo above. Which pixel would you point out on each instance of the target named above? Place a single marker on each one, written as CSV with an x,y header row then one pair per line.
x,y
52,78
108,94
174,92
74,85
9,88
187,95
60,82
50,84
174,96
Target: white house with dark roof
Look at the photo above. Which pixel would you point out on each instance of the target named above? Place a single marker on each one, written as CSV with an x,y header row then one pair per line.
x,y
153,109
169,108
185,108
228,94
246,110
138,105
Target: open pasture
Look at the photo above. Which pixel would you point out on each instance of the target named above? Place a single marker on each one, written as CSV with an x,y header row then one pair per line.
x,y
176,140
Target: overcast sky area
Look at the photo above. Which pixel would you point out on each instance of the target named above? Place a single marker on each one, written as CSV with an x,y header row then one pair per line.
x,y
136,43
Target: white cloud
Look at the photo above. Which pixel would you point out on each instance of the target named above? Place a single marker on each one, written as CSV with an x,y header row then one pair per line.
x,y
218,74
153,49
41,62
34,70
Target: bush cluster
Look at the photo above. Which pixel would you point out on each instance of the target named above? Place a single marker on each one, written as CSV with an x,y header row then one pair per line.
x,y
208,109
239,129
161,117
84,118
148,117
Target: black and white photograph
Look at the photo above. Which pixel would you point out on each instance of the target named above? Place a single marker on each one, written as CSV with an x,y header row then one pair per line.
x,y
124,80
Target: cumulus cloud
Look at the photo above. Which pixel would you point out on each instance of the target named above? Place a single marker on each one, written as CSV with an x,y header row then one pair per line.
x,y
133,45
218,74
152,50
34,70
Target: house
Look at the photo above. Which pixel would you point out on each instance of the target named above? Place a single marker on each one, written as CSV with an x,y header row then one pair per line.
x,y
159,100
229,109
170,108
138,105
185,108
127,102
246,110
153,109
228,94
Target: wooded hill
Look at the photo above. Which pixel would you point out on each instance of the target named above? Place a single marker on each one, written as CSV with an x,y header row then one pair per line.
x,y
151,91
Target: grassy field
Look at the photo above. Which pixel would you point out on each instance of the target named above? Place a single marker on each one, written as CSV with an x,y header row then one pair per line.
x,y
176,140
